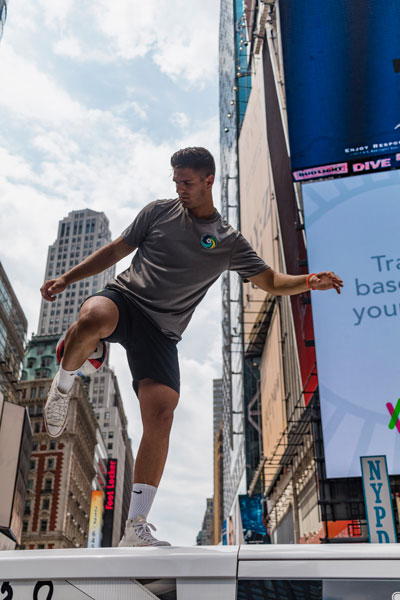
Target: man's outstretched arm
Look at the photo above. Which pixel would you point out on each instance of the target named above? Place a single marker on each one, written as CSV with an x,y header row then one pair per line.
x,y
95,263
281,284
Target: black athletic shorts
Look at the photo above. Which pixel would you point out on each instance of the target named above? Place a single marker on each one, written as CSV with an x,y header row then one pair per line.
x,y
151,354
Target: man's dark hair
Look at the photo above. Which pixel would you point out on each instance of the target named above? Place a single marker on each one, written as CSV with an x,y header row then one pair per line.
x,y
196,158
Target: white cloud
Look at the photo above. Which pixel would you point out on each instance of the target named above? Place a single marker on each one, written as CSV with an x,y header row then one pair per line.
x,y
56,13
15,167
69,46
129,107
31,94
180,120
182,36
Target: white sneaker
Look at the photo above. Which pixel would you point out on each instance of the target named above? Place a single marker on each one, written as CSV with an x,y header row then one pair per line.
x,y
137,533
56,410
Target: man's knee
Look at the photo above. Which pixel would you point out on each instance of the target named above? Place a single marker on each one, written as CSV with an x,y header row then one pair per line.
x,y
157,404
98,315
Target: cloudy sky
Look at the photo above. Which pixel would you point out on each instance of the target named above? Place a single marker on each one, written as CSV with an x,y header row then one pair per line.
x,y
94,99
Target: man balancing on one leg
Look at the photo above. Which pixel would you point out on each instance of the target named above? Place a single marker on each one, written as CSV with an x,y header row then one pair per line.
x,y
183,245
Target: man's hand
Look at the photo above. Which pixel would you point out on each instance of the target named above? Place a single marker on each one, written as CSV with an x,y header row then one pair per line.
x,y
52,287
326,280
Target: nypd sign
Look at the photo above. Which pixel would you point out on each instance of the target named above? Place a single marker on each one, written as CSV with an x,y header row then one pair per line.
x,y
378,500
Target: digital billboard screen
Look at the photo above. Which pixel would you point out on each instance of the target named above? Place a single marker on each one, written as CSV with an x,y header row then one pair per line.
x,y
342,79
352,229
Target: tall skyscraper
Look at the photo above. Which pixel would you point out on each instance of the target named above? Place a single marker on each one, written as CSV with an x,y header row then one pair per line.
x,y
205,536
13,327
80,234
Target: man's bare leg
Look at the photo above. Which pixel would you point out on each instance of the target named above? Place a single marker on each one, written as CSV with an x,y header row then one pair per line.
x,y
157,405
97,319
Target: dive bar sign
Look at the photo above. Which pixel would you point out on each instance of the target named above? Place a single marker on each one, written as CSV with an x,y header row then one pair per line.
x,y
378,500
353,167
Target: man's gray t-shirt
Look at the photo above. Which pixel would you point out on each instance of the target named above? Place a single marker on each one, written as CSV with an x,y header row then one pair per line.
x,y
178,258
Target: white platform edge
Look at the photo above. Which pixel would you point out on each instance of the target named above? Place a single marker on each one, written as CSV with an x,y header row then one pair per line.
x,y
113,563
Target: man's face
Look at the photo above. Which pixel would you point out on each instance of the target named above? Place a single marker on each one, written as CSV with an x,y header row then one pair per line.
x,y
192,187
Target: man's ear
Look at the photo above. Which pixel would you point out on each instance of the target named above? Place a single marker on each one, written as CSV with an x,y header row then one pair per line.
x,y
210,180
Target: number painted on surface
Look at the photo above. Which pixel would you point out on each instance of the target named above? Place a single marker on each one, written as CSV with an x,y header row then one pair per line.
x,y
6,588
41,584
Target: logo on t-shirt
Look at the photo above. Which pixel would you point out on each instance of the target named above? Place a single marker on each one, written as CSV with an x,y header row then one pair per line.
x,y
208,241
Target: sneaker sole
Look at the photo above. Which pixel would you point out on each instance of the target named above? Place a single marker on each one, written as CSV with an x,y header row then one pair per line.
x,y
53,435
143,545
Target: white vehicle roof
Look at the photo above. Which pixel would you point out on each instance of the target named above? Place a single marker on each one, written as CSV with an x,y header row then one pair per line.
x,y
211,572
303,560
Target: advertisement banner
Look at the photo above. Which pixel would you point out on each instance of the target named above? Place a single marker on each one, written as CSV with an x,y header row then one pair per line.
x,y
109,503
378,500
95,519
342,77
251,511
224,532
352,229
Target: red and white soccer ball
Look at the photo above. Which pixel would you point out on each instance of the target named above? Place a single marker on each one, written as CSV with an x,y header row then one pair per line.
x,y
95,360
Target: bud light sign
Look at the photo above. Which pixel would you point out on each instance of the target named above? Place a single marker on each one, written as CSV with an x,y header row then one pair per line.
x,y
378,500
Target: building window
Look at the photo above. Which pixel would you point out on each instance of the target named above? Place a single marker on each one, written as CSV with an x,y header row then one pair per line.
x,y
37,427
30,484
53,445
109,445
35,446
48,485
110,434
33,393
46,504
107,414
25,526
27,507
50,464
43,525
33,464
40,546
31,410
